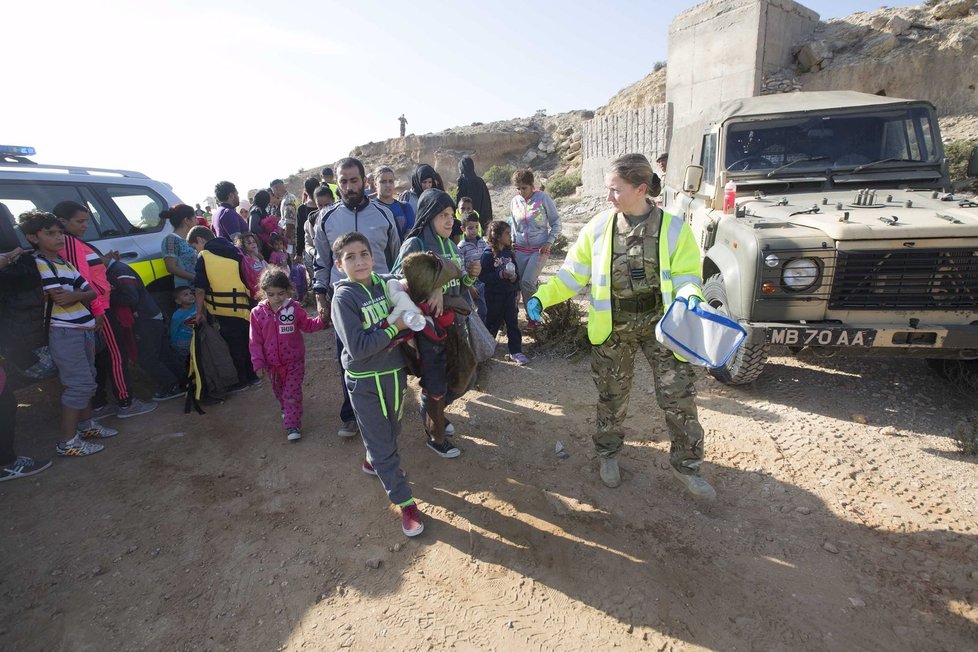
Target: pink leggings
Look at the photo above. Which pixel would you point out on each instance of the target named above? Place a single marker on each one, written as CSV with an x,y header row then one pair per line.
x,y
287,385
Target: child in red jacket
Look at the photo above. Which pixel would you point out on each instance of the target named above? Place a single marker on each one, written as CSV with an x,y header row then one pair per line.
x,y
276,345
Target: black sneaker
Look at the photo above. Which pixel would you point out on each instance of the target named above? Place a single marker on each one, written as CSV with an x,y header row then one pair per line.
x,y
167,394
22,467
446,449
238,387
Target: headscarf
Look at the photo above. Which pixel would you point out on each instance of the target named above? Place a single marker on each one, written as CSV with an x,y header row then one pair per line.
x,y
431,203
466,168
422,172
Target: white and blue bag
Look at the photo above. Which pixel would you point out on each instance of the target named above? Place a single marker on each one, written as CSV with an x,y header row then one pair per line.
x,y
699,334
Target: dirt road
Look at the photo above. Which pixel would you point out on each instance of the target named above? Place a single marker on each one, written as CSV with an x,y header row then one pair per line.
x,y
845,520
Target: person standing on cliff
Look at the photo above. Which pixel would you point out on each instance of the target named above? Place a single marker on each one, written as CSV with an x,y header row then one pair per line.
x,y
403,121
471,185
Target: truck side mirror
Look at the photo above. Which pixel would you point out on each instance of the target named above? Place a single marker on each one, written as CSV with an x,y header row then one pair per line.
x,y
693,179
973,163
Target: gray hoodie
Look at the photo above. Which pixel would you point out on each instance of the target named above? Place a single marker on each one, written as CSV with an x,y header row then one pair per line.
x,y
359,313
369,218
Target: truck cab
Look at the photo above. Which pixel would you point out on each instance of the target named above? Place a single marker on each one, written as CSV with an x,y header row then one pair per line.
x,y
842,233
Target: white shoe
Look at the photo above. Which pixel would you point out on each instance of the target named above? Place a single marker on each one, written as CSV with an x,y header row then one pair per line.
x,y
294,434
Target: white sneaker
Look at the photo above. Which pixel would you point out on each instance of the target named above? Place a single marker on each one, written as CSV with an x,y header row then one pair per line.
x,y
294,434
95,430
77,447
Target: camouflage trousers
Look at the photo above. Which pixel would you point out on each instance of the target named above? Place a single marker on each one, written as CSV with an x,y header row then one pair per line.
x,y
612,367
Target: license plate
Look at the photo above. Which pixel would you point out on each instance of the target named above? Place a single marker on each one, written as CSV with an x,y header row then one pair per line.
x,y
821,336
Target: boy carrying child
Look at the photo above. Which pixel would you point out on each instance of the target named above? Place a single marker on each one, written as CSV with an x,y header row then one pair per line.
x,y
375,375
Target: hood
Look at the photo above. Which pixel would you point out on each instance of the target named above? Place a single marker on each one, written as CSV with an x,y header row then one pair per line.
x,y
886,215
422,172
432,202
466,167
223,247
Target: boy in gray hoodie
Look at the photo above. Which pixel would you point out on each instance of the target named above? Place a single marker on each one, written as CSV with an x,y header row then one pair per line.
x,y
374,371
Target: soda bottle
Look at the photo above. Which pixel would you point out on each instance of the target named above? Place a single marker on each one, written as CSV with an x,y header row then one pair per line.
x,y
730,197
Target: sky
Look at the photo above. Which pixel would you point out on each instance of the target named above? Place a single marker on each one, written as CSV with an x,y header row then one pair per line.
x,y
194,92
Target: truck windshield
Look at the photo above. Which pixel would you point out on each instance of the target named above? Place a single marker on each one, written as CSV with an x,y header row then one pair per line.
x,y
831,142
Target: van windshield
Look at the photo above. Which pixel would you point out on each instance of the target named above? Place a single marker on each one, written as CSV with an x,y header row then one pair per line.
x,y
831,142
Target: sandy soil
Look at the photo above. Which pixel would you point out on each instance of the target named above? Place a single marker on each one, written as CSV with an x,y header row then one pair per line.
x,y
845,520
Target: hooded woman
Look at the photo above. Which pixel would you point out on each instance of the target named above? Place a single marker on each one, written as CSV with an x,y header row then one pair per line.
x,y
424,178
472,185
432,233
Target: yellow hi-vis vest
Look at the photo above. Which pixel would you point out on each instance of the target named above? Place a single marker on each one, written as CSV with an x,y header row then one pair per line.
x,y
228,295
589,261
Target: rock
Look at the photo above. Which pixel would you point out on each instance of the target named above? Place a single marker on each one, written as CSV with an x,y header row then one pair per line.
x,y
883,44
857,602
398,547
530,156
890,431
878,22
560,451
952,9
374,563
897,25
860,419
830,547
811,55
801,509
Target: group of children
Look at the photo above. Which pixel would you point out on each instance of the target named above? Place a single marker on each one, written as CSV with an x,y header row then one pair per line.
x,y
361,313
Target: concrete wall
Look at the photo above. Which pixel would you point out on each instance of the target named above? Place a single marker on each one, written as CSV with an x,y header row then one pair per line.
x,y
721,49
646,130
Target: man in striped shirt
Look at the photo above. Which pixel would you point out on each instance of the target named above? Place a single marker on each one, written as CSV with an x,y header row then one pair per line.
x,y
71,334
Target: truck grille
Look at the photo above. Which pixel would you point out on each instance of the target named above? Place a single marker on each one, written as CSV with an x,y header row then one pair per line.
x,y
922,279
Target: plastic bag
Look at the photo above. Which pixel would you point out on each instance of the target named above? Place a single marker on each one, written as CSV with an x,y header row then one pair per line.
x,y
701,335
482,342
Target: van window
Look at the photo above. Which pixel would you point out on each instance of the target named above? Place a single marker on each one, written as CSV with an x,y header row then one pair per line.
x,y
19,197
140,206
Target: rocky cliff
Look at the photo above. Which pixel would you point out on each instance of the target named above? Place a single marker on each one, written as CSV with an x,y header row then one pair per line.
x,y
920,52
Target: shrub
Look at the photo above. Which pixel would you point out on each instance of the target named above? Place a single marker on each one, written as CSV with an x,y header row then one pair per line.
x,y
958,152
499,175
561,186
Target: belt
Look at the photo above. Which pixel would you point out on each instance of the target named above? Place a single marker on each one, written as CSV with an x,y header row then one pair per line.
x,y
643,303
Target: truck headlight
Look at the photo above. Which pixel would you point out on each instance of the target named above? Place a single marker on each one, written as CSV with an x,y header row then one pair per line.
x,y
800,274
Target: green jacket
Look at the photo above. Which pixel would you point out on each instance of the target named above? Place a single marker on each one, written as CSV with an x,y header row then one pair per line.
x,y
589,261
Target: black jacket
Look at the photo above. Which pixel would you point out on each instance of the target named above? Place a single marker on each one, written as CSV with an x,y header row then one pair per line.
x,y
472,186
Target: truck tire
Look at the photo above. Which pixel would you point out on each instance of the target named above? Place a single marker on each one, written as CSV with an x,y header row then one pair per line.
x,y
747,363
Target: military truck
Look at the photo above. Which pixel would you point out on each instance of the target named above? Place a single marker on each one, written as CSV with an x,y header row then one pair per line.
x,y
841,233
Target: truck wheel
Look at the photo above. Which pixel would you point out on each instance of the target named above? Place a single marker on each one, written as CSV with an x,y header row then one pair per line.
x,y
747,363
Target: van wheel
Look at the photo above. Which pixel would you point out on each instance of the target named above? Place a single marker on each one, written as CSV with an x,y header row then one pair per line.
x,y
747,363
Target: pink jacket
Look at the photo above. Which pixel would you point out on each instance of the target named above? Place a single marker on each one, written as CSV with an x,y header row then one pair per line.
x,y
276,337
88,262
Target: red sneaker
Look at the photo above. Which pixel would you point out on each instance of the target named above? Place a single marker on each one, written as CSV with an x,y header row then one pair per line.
x,y
531,325
368,468
411,523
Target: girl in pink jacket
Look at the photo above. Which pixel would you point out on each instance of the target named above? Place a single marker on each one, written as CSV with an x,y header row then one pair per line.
x,y
277,348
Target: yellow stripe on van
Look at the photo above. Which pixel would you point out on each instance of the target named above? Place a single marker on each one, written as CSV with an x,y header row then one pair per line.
x,y
150,270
